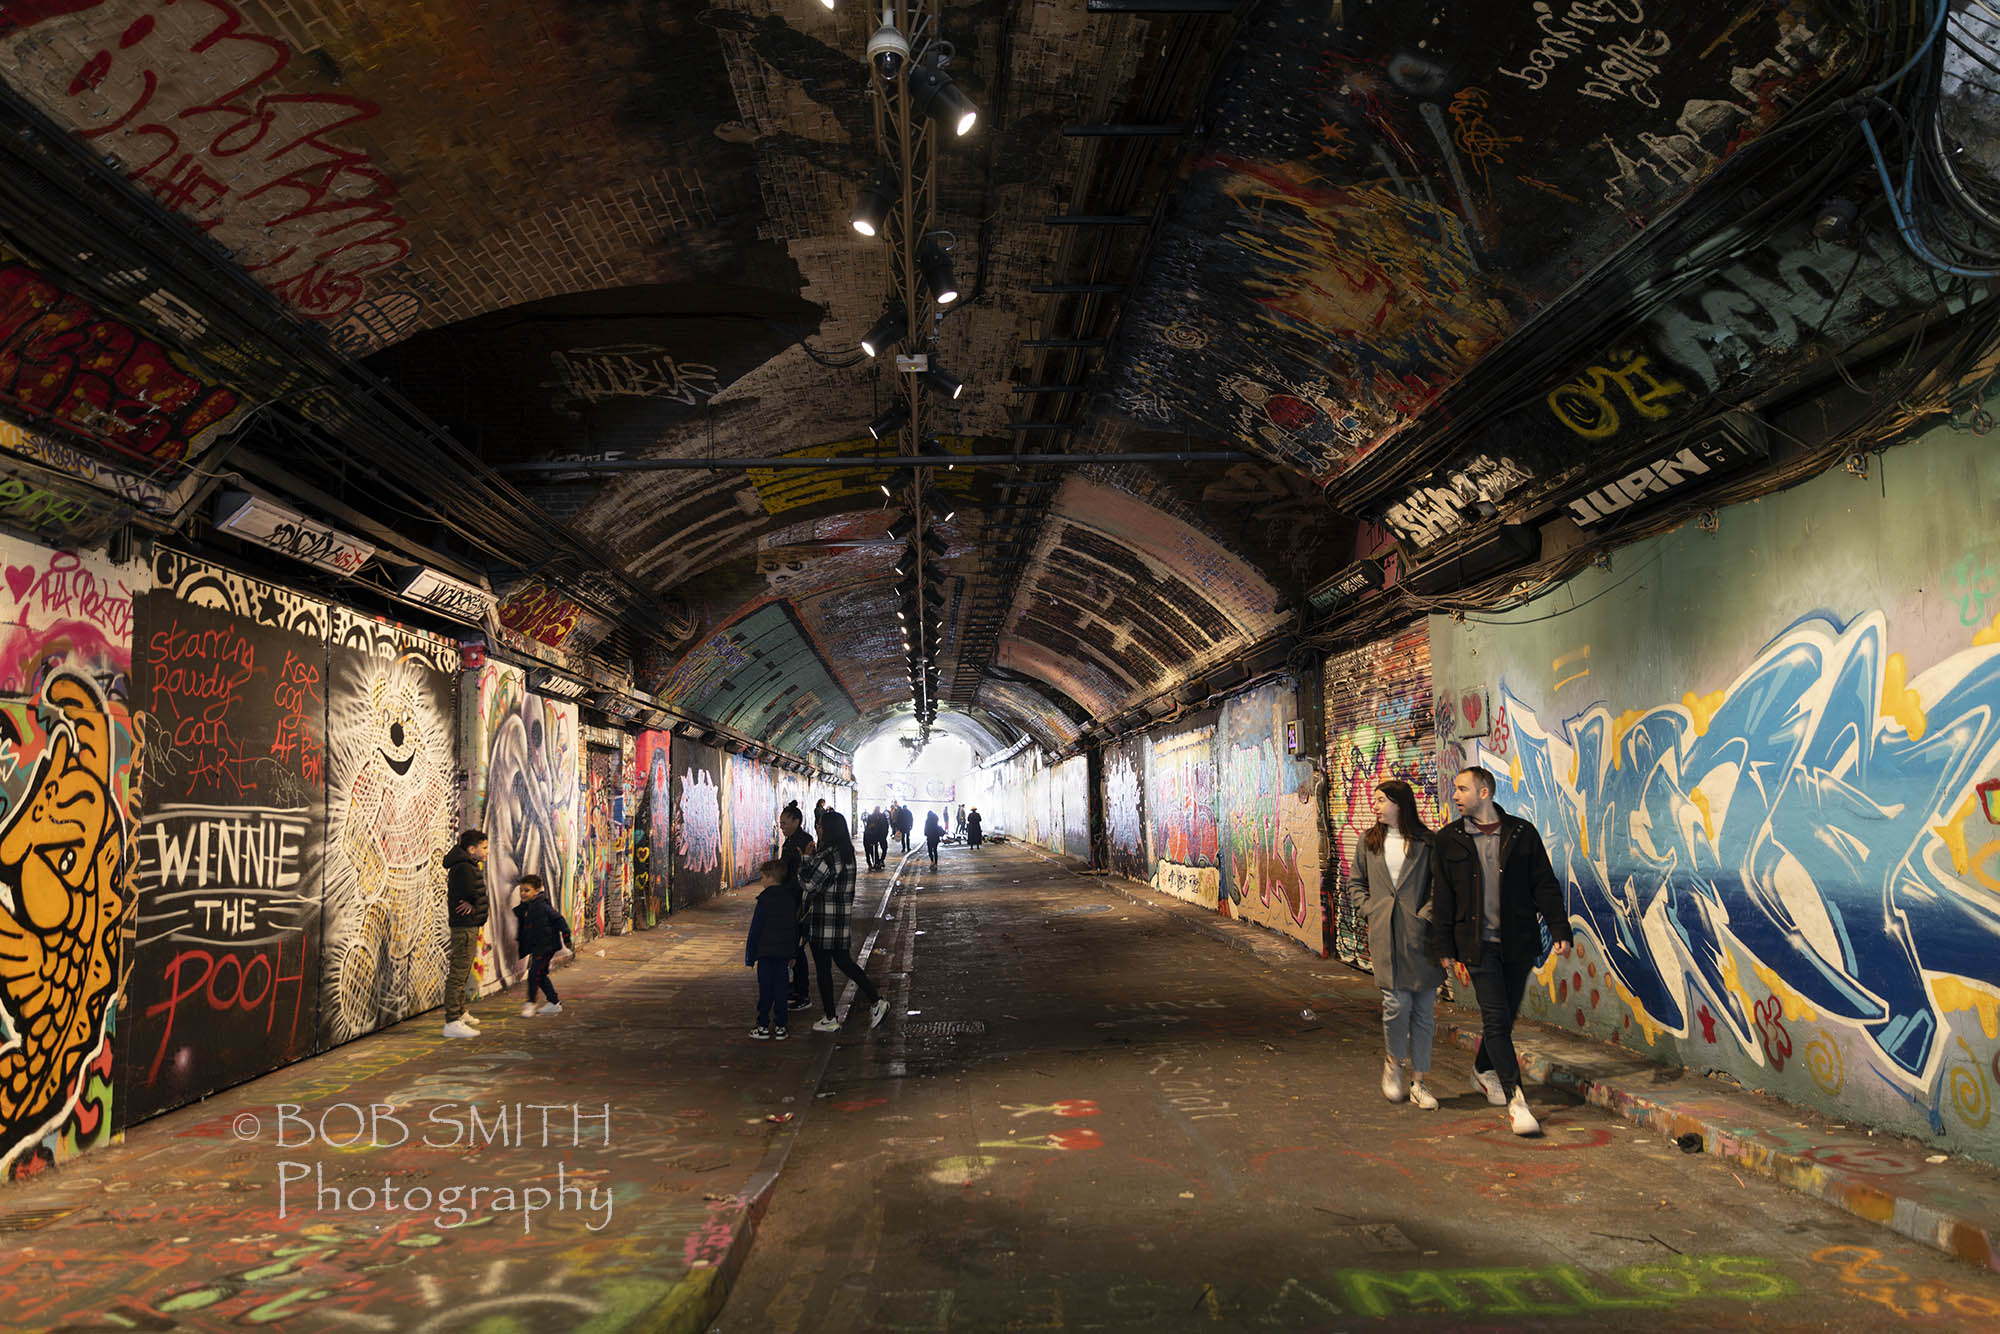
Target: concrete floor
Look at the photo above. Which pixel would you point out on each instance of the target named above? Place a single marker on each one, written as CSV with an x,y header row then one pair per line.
x,y
1080,1118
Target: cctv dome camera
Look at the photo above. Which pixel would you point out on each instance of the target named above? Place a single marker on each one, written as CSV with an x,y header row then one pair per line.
x,y
888,49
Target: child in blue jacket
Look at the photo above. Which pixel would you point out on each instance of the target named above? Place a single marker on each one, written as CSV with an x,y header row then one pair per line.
x,y
774,938
539,932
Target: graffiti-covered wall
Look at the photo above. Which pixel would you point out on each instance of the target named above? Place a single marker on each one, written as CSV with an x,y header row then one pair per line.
x,y
1379,725
390,700
524,789
1270,829
65,737
1767,766
696,839
1181,841
229,704
752,817
652,826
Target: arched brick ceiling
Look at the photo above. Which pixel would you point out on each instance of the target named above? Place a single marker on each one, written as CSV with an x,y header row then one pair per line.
x,y
1126,600
615,231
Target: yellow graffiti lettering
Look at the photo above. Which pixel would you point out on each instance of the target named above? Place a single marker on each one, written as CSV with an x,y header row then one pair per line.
x,y
1899,701
1952,832
1702,708
1795,1005
1620,728
1588,406
1707,809
1957,993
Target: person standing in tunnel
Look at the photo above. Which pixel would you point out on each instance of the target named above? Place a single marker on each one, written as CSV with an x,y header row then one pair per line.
x,y
828,876
792,853
973,829
1490,880
904,821
933,834
875,838
466,909
1391,879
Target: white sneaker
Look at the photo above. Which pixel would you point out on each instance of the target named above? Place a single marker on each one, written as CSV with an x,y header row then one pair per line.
x,y
528,1010
826,1025
458,1028
876,1011
1523,1119
1421,1096
1485,1081
469,1019
1392,1080
553,1007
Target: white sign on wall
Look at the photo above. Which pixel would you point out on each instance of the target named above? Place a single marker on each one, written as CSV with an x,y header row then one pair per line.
x,y
270,524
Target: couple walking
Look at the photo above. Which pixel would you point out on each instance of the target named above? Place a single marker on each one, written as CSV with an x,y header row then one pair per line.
x,y
1468,896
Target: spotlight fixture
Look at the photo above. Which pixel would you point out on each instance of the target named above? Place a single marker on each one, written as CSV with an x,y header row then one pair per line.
x,y
888,49
872,206
891,329
934,542
943,381
932,93
934,262
932,446
902,528
888,424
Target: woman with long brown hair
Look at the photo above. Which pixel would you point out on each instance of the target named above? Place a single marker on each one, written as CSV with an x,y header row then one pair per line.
x,y
1391,876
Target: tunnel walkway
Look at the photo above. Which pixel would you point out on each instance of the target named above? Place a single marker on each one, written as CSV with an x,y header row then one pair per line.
x,y
1077,1116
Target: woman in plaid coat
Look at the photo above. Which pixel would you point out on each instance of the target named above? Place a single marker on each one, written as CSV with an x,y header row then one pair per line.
x,y
828,879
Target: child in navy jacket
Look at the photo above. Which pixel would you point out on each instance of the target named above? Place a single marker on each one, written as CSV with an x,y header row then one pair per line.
x,y
774,938
539,931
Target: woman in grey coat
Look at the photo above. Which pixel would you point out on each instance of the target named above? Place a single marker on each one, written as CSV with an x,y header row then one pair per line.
x,y
1391,877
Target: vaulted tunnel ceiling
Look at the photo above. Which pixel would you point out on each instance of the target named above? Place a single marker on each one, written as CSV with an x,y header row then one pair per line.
x,y
1427,269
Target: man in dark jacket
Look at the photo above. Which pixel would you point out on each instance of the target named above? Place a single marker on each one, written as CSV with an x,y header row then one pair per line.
x,y
791,852
465,908
905,820
1490,880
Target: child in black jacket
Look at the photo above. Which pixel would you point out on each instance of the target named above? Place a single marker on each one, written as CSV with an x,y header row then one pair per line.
x,y
539,931
774,938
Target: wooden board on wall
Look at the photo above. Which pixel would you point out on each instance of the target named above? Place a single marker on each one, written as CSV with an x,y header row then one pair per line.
x,y
391,800
1380,724
652,827
697,822
230,708
1125,807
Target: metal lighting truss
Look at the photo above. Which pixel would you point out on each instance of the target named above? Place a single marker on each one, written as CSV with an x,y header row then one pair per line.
x,y
910,142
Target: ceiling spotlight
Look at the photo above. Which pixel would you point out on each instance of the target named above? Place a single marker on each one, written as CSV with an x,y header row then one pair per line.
x,y
891,329
934,542
943,381
888,49
934,262
888,424
872,205
932,93
934,447
902,528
